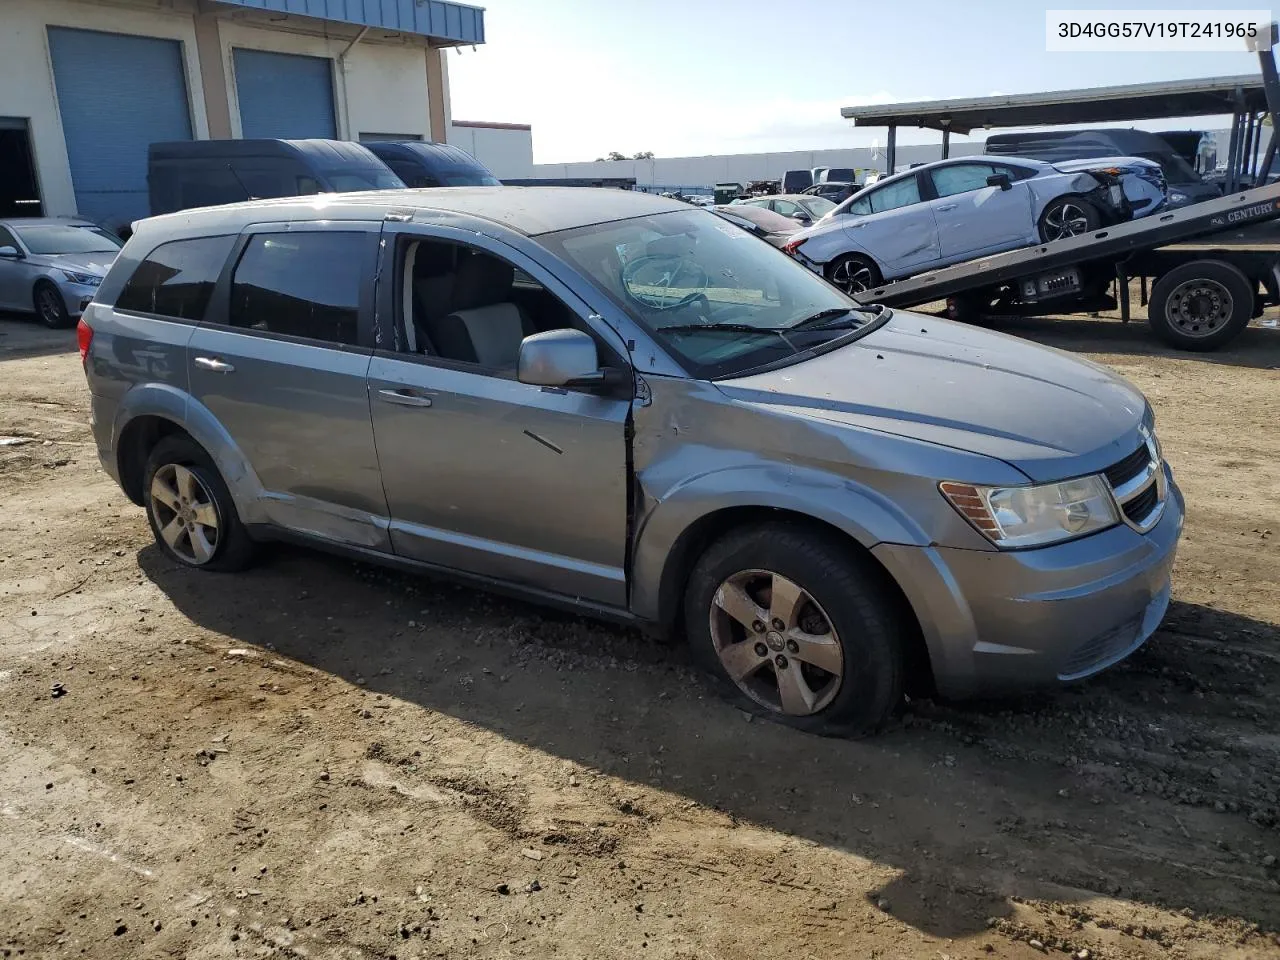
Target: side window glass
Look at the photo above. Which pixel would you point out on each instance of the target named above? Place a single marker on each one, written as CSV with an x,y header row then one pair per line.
x,y
861,207
307,186
899,194
785,207
177,279
302,284
468,306
961,178
6,239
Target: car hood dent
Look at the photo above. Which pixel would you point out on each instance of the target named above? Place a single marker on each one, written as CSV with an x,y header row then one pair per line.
x,y
1046,413
95,263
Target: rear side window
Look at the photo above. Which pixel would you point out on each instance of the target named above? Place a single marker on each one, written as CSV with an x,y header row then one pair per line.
x,y
301,284
177,278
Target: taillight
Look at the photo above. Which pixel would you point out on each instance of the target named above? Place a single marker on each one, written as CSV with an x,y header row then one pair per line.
x,y
84,337
791,246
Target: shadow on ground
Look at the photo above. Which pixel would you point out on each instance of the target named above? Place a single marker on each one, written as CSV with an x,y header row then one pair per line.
x,y
21,337
971,804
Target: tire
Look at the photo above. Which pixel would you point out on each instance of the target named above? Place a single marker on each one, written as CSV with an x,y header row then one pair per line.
x,y
1200,305
842,598
853,273
1068,217
51,309
213,538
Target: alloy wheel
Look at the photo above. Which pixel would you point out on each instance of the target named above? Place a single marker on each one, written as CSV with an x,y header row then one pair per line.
x,y
185,514
1065,220
49,307
1199,308
852,276
776,642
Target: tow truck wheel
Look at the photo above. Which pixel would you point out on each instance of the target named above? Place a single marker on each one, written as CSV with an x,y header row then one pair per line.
x,y
1200,305
853,274
1068,217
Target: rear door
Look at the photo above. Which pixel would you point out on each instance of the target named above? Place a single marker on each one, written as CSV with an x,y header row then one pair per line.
x,y
974,219
895,225
281,361
12,274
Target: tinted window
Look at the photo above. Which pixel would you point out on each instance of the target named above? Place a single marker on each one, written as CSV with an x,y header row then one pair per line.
x,y
210,187
303,284
900,193
6,238
962,177
177,278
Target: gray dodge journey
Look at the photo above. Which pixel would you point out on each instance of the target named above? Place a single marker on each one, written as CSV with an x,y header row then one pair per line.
x,y
622,404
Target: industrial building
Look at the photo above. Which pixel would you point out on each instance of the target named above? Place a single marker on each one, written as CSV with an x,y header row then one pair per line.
x,y
87,85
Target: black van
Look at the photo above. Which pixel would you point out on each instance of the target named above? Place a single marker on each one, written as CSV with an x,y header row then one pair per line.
x,y
422,163
1185,186
205,173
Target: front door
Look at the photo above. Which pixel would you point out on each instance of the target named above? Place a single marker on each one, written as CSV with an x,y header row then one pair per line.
x,y
15,276
483,473
974,218
281,360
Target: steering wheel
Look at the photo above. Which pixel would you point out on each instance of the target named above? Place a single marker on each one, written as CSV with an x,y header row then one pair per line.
x,y
666,271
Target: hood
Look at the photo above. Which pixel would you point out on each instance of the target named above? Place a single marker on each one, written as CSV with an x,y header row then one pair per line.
x,y
95,263
1043,411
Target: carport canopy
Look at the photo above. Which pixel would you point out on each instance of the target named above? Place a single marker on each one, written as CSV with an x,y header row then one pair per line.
x,y
1093,105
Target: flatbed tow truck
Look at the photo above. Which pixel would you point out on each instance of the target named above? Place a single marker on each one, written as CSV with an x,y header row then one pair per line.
x,y
1213,267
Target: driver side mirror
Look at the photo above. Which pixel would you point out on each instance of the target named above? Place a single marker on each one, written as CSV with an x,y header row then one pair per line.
x,y
564,358
801,217
1000,180
10,252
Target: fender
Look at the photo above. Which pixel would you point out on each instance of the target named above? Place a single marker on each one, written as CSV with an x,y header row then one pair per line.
x,y
862,513
171,403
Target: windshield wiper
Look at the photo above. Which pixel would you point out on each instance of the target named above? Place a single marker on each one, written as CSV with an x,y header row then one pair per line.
x,y
837,317
780,332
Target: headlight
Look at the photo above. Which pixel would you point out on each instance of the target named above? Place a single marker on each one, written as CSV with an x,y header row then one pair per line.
x,y
88,279
1177,198
1034,516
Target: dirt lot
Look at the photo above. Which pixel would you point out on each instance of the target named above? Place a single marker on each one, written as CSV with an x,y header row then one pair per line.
x,y
321,759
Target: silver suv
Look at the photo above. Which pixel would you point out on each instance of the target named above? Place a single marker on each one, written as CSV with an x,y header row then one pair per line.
x,y
631,407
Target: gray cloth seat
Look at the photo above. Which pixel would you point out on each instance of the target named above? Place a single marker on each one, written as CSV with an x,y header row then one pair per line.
x,y
484,326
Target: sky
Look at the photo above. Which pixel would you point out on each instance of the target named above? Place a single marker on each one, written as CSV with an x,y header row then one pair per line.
x,y
694,77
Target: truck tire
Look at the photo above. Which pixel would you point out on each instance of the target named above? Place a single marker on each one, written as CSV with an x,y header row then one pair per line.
x,y
794,625
1200,305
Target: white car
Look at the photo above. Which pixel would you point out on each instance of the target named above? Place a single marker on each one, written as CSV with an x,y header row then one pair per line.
x,y
954,210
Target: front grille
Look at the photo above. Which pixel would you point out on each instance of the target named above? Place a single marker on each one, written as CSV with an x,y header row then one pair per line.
x,y
1140,507
1128,468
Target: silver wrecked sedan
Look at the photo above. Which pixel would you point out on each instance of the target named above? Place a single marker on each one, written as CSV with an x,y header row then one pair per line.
x,y
620,404
52,267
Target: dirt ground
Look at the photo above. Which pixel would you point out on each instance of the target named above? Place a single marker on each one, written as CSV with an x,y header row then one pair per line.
x,y
321,759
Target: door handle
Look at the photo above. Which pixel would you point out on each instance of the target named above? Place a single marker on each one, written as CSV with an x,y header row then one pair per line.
x,y
946,207
857,225
214,364
404,398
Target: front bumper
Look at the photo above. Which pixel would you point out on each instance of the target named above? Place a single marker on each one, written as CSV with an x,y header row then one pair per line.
x,y
76,296
1004,621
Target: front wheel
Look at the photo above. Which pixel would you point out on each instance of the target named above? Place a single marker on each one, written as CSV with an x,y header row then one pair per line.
x,y
1068,217
795,625
50,307
853,274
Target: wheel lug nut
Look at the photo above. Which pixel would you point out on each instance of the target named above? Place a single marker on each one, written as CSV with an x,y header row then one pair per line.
x,y
778,624
781,661
758,626
761,650
793,647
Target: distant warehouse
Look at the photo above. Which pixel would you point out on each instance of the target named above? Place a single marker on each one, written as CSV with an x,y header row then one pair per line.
x,y
85,87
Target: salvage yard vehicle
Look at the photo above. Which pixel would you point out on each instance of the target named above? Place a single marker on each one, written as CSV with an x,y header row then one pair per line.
x,y
628,407
771,227
953,210
52,266
802,208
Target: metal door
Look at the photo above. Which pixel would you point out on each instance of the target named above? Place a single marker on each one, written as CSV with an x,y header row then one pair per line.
x,y
284,95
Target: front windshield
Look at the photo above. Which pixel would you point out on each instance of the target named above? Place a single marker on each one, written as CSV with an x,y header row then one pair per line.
x,y
677,272
350,181
467,177
51,238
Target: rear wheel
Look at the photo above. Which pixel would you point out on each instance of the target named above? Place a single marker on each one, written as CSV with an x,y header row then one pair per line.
x,y
190,508
853,273
793,624
51,309
1200,305
1068,217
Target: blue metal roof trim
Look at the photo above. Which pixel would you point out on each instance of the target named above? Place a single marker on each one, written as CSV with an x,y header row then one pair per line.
x,y
440,19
